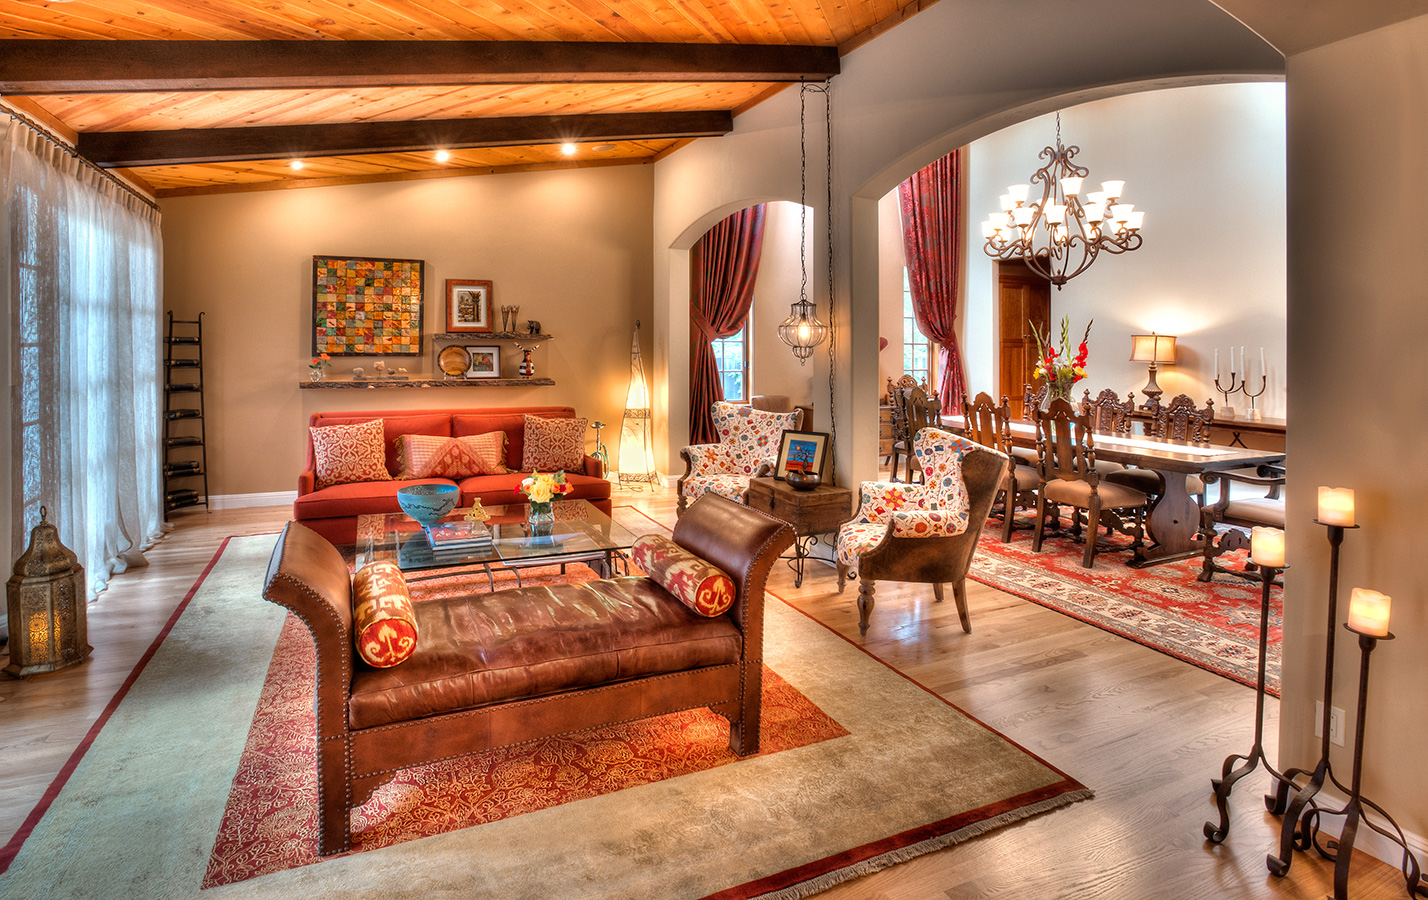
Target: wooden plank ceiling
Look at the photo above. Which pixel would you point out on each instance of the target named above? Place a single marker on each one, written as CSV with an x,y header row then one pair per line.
x,y
370,90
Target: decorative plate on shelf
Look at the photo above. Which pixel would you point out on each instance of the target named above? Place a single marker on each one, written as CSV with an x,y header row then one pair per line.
x,y
454,361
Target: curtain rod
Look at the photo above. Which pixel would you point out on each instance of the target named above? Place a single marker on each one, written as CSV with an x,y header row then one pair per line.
x,y
65,148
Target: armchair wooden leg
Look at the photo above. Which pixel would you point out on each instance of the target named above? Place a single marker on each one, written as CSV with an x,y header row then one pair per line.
x,y
937,591
842,576
959,596
1008,512
866,586
680,505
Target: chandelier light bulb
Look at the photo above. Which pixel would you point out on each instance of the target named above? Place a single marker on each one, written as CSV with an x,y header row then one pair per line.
x,y
1071,185
1113,189
1008,204
1135,220
1019,192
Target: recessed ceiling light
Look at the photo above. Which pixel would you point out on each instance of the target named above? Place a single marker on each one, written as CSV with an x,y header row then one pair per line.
x,y
603,148
567,149
443,155
295,165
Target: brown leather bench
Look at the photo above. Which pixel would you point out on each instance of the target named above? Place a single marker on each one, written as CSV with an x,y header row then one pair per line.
x,y
497,669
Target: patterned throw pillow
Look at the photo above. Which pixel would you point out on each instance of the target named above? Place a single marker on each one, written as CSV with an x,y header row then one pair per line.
x,y
433,456
384,624
699,585
553,445
346,453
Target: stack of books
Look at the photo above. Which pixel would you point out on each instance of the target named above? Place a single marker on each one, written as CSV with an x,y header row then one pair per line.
x,y
458,538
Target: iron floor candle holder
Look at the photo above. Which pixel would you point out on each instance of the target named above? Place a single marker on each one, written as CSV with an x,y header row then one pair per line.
x,y
1341,850
1229,774
1303,800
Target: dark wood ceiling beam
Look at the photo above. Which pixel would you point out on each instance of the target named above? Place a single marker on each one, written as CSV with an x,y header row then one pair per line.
x,y
94,67
163,148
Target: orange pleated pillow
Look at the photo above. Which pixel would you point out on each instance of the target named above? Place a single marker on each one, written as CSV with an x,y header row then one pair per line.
x,y
698,584
383,619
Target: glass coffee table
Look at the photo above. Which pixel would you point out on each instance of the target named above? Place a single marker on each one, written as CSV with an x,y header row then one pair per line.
x,y
580,533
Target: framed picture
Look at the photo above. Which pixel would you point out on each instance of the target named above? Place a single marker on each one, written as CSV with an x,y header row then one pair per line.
x,y
366,307
801,451
485,362
468,306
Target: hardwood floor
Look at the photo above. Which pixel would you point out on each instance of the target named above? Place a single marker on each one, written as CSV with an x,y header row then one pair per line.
x,y
1145,731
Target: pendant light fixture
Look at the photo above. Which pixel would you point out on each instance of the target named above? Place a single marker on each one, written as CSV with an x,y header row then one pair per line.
x,y
802,330
1059,236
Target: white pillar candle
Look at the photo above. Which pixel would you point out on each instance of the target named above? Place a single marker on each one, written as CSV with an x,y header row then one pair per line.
x,y
1336,506
1267,547
1368,612
1232,360
1263,369
1217,364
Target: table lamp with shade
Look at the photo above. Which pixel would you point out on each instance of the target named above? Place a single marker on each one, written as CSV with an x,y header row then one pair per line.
x,y
1154,349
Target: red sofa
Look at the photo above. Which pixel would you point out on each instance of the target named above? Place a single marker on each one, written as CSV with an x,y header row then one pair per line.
x,y
332,511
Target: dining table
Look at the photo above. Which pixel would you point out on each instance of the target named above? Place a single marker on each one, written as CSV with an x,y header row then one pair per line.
x,y
1174,516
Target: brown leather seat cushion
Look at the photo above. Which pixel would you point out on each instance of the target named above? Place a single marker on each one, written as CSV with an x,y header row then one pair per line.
x,y
1078,493
479,649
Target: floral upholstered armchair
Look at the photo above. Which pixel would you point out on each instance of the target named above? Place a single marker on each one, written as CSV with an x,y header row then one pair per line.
x,y
748,445
924,533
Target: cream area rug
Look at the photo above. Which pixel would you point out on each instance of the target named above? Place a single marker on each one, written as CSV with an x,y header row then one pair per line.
x,y
139,814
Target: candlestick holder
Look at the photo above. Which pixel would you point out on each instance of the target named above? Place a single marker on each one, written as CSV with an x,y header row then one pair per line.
x,y
1341,850
1244,388
1256,757
1234,388
1292,834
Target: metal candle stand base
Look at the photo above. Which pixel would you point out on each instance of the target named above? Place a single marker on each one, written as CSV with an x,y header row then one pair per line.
x,y
1256,757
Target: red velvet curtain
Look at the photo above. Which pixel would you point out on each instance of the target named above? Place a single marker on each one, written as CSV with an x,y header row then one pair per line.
x,y
724,267
931,203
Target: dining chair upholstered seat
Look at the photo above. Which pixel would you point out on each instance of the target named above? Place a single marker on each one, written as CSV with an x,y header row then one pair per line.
x,y
1240,513
924,533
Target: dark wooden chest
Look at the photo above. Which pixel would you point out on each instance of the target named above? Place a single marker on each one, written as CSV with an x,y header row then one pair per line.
x,y
810,512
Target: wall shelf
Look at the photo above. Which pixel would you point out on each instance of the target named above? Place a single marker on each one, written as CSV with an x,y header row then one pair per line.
x,y
454,338
374,384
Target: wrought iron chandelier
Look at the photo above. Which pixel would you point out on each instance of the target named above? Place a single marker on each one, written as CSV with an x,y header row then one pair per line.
x,y
802,330
1059,236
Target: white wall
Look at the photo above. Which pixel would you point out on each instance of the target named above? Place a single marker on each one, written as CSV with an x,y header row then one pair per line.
x,y
776,370
1206,163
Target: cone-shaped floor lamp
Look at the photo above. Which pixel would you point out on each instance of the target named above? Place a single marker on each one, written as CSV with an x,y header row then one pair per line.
x,y
636,439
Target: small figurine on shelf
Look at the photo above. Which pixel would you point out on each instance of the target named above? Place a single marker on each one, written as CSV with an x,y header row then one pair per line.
x,y
358,373
533,326
379,369
526,368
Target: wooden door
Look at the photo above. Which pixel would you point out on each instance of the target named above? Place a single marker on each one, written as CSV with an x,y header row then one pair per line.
x,y
1024,297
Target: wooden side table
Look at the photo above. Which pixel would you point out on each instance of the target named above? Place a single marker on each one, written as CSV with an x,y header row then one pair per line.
x,y
811,513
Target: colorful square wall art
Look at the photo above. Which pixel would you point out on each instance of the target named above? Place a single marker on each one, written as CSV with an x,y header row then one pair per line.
x,y
366,307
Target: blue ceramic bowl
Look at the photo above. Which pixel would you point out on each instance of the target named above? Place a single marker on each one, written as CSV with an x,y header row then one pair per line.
x,y
428,503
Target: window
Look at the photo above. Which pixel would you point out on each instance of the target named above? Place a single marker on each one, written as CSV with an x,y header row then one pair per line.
x,y
731,355
916,349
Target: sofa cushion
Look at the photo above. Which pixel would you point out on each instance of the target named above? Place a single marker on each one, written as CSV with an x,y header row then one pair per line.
x,y
348,453
701,586
384,625
554,444
356,499
481,649
432,456
502,489
511,421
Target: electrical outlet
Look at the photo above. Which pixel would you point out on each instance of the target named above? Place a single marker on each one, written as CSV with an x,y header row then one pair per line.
x,y
1336,725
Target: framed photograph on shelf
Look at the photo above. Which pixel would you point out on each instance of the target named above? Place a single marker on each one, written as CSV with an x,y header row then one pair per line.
x,y
367,307
801,451
485,362
468,306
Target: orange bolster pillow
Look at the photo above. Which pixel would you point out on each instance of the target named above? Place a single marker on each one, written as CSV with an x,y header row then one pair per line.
x,y
699,585
383,620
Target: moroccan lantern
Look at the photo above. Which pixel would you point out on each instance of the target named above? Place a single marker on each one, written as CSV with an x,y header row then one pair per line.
x,y
45,603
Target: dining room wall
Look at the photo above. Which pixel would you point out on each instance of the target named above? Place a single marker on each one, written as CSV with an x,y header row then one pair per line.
x,y
569,247
1207,164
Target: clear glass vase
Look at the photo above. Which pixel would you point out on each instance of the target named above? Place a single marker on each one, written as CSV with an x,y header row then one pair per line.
x,y
541,513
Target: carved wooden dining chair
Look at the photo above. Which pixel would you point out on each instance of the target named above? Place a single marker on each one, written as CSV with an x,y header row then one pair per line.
x,y
1242,514
1067,450
897,414
990,426
1176,422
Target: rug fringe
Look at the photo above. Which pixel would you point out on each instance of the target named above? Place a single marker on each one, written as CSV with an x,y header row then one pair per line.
x,y
903,854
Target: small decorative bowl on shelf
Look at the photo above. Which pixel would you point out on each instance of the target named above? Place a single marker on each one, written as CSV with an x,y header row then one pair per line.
x,y
802,481
428,503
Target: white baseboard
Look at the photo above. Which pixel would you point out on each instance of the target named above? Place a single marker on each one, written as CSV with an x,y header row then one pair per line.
x,y
243,501
1368,840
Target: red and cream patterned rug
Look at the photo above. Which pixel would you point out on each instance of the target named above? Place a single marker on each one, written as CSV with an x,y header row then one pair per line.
x,y
1214,626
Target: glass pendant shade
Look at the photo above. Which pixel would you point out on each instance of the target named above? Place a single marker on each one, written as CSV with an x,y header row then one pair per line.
x,y
801,330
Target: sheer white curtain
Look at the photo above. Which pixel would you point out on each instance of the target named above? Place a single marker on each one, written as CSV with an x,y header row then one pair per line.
x,y
81,262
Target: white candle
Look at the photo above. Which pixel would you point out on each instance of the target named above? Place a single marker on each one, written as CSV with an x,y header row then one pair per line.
x,y
1267,547
1217,364
1336,506
1263,369
1368,612
1243,370
1232,362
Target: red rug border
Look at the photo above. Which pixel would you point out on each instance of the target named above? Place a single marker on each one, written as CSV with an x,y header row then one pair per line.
x,y
17,841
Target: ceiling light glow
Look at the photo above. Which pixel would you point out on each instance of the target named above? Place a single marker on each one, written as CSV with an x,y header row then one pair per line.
x,y
567,149
295,165
443,155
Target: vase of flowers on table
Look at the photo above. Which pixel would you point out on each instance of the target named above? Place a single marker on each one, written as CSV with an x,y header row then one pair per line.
x,y
317,369
1056,365
540,490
